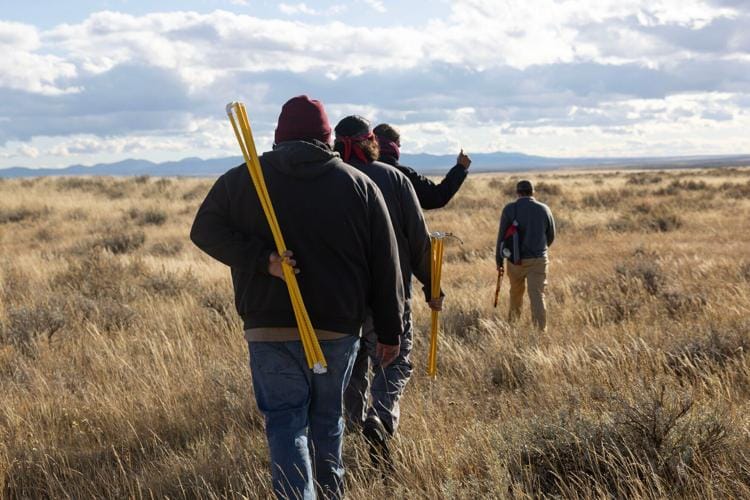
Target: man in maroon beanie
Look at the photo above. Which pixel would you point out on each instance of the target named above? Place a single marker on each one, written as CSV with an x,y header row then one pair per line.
x,y
347,258
430,195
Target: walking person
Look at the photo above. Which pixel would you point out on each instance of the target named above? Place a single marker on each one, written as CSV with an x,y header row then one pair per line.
x,y
430,195
379,421
347,257
536,229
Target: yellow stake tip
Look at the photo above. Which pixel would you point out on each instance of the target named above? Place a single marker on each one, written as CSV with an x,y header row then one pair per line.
x,y
230,107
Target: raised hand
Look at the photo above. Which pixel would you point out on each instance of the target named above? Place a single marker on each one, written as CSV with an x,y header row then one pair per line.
x,y
463,160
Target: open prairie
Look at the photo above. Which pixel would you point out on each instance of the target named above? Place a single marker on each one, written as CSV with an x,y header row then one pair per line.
x,y
123,371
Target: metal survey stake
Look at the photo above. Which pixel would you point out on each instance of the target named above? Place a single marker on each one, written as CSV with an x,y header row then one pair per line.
x,y
436,252
238,117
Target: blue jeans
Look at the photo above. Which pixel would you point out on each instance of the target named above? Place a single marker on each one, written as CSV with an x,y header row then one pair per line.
x,y
387,384
303,412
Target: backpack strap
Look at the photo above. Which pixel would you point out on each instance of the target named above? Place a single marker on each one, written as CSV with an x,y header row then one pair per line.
x,y
517,235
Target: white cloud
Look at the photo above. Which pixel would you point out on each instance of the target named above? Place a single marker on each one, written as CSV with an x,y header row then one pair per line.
x,y
376,5
535,76
28,151
92,145
297,8
22,68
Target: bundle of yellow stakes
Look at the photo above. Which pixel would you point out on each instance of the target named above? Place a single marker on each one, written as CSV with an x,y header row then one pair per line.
x,y
238,116
436,247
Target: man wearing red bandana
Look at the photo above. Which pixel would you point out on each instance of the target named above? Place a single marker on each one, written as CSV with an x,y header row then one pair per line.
x,y
358,146
430,195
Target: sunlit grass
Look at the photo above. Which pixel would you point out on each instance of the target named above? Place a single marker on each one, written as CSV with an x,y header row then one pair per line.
x,y
123,372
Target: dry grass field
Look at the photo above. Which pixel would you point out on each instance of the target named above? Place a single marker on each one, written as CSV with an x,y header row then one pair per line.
x,y
123,372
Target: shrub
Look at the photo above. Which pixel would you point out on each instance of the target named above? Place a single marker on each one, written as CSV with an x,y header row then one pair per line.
x,y
45,235
21,214
643,179
218,300
643,267
610,300
80,184
676,186
104,186
735,190
15,285
620,297
24,325
154,217
168,283
107,314
653,441
510,372
548,189
606,198
77,214
711,350
201,190
100,275
647,217
679,303
161,189
122,242
463,322
166,248
149,216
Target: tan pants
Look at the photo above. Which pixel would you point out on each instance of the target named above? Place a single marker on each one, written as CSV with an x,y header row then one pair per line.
x,y
535,272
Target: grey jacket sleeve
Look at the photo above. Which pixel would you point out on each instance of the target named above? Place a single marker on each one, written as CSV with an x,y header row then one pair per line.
x,y
386,282
550,227
214,233
417,234
504,224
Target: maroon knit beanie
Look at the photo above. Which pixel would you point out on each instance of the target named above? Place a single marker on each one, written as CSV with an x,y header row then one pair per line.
x,y
302,119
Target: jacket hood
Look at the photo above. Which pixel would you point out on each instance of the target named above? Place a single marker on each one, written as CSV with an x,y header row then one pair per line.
x,y
301,159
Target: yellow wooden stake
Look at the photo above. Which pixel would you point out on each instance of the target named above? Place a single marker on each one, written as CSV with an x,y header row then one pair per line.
x,y
242,131
436,247
437,241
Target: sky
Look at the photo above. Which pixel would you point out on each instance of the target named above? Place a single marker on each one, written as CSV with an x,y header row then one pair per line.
x,y
86,82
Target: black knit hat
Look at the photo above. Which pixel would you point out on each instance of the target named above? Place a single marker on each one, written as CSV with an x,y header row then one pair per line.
x,y
353,126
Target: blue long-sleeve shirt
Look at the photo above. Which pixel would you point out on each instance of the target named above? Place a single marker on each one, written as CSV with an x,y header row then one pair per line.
x,y
536,227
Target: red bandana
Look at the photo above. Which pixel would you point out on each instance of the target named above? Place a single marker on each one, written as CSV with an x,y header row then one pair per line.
x,y
351,145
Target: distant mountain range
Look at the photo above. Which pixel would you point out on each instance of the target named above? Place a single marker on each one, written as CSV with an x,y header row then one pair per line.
x,y
425,163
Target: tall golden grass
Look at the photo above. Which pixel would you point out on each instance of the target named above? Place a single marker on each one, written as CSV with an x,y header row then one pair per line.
x,y
123,372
